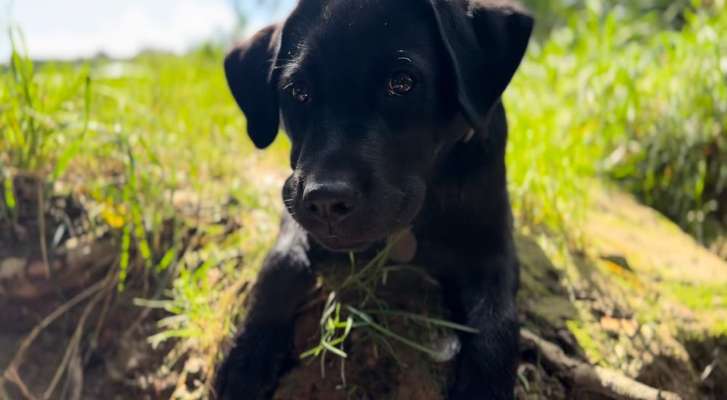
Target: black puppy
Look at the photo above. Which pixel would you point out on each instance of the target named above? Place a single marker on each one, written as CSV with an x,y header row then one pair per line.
x,y
394,114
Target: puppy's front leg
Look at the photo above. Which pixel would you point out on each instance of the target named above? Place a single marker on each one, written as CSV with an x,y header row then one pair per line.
x,y
251,369
484,299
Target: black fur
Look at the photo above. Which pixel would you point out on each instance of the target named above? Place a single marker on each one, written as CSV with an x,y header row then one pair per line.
x,y
368,162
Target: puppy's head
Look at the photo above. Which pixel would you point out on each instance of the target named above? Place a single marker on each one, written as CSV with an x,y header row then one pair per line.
x,y
370,92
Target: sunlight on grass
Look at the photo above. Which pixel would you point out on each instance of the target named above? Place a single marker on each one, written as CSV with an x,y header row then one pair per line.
x,y
152,144
606,98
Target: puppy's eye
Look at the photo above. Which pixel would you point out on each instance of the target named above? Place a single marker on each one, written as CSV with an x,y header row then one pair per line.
x,y
400,83
298,91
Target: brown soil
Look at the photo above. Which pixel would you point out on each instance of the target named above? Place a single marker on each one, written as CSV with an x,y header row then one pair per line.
x,y
114,362
639,297
113,359
376,368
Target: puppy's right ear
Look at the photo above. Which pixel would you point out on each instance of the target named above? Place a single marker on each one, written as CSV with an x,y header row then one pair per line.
x,y
248,68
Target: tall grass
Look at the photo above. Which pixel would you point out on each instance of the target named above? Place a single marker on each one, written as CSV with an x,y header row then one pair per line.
x,y
155,148
184,158
609,96
43,121
674,152
662,14
42,112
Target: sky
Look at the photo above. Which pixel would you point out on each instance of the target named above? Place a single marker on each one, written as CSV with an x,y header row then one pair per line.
x,y
70,29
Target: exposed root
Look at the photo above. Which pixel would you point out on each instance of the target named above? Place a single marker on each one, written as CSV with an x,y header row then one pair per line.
x,y
11,373
585,378
72,353
41,228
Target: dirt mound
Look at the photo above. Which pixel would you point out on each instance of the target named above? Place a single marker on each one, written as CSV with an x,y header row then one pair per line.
x,y
376,366
634,307
637,295
635,312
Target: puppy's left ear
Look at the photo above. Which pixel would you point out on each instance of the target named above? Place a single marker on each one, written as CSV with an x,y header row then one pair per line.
x,y
486,41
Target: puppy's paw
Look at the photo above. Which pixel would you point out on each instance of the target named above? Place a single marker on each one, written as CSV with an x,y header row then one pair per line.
x,y
252,367
235,388
240,379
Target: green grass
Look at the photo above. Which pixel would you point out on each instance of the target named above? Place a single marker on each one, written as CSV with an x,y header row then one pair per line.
x,y
355,302
701,297
603,97
152,144
675,150
44,116
44,119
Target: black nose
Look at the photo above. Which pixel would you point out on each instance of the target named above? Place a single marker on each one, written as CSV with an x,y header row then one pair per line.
x,y
330,202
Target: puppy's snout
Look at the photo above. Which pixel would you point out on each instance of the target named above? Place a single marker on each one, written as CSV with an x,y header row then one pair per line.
x,y
330,202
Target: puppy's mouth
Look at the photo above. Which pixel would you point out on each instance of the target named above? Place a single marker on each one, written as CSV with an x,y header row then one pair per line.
x,y
344,245
357,234
380,215
337,240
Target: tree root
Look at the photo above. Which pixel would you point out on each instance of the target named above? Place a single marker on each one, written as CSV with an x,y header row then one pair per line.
x,y
11,373
583,377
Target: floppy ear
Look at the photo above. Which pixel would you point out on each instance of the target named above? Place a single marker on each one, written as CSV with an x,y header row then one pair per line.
x,y
248,70
486,41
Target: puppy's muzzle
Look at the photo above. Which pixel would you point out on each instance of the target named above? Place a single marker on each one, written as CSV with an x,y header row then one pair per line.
x,y
330,202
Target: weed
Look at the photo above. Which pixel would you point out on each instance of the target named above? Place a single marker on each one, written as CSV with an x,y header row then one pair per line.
x,y
356,302
45,116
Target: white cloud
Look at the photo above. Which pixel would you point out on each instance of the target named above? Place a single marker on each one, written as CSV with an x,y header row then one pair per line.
x,y
82,28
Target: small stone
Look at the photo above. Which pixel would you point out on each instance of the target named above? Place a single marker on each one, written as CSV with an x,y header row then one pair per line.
x,y
447,347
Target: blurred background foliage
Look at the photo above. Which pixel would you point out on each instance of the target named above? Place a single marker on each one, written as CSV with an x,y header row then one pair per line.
x,y
634,93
